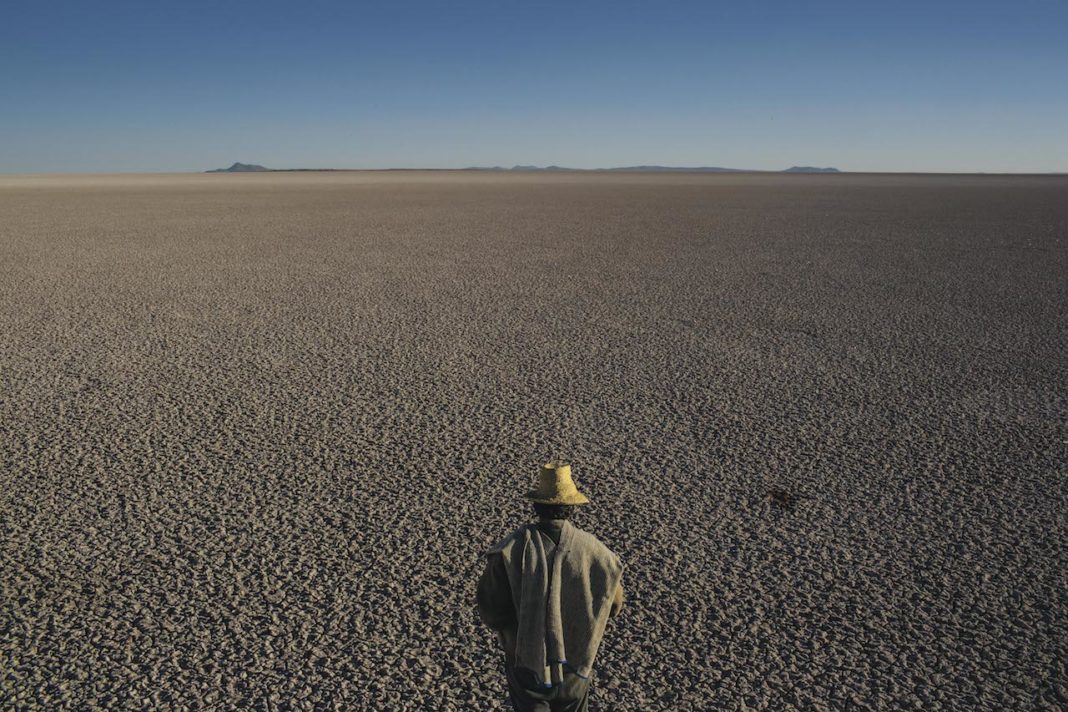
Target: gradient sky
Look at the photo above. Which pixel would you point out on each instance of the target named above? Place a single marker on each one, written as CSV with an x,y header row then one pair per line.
x,y
880,86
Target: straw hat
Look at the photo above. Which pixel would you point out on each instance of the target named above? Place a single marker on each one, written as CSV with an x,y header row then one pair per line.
x,y
555,486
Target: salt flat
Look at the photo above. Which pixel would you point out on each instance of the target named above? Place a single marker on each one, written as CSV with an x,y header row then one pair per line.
x,y
255,430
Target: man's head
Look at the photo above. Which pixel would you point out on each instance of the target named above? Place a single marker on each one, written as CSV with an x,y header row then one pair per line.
x,y
554,511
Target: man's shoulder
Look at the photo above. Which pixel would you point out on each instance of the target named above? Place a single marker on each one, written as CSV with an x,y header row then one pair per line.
x,y
585,541
585,538
505,544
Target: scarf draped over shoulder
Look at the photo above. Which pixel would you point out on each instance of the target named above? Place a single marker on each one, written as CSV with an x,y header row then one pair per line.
x,y
562,596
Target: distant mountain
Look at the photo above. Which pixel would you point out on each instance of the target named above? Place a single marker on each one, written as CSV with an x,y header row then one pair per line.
x,y
668,169
658,169
640,169
240,168
546,168
253,168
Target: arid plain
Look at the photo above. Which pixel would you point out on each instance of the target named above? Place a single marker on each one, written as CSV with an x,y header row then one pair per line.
x,y
255,431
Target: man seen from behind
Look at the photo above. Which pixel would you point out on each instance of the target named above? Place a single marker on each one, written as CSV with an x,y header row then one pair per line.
x,y
548,590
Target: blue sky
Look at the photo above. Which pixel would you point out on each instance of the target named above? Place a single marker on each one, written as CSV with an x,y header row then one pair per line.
x,y
880,86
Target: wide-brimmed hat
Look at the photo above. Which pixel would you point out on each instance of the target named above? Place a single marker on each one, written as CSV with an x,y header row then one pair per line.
x,y
555,486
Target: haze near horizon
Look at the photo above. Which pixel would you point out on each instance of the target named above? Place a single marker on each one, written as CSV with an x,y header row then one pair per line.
x,y
957,87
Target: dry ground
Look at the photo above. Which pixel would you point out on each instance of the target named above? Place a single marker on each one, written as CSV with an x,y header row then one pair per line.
x,y
256,429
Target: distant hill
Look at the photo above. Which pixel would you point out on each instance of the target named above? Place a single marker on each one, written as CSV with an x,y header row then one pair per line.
x,y
640,169
658,169
253,168
240,168
668,169
546,168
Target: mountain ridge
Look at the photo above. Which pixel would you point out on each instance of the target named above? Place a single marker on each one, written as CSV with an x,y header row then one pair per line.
x,y
241,168
256,168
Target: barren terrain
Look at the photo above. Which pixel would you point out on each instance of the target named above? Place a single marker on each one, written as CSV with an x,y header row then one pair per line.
x,y
255,431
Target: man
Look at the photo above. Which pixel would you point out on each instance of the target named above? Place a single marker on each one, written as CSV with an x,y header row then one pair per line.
x,y
548,590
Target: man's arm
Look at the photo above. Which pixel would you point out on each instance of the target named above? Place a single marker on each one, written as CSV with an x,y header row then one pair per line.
x,y
617,602
494,595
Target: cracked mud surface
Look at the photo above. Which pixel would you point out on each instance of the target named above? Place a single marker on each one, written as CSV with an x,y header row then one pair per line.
x,y
255,431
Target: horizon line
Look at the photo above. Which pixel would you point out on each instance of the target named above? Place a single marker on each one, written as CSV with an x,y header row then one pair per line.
x,y
652,168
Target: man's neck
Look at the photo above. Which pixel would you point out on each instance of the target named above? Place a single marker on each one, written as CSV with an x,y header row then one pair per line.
x,y
553,528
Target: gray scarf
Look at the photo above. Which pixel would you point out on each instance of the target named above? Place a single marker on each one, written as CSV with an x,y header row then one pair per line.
x,y
540,637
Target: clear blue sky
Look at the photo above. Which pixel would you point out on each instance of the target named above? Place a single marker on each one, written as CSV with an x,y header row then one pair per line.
x,y
894,86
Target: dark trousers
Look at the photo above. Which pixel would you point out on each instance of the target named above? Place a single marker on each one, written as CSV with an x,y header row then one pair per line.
x,y
571,695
